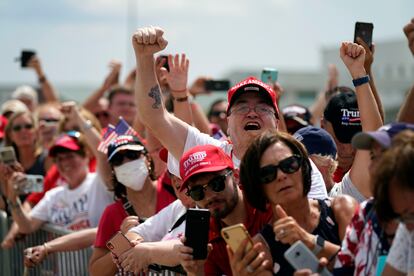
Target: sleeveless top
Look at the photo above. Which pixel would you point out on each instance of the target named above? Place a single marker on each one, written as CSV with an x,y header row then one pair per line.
x,y
38,166
327,229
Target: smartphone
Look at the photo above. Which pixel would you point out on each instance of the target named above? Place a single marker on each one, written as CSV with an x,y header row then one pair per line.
x,y
8,155
364,31
25,56
300,257
217,85
269,75
118,244
234,235
196,231
166,66
31,183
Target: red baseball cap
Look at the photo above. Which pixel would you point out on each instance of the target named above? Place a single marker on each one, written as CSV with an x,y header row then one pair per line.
x,y
64,142
200,159
252,84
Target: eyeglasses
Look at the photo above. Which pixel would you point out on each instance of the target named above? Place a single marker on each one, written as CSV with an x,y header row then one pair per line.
x,y
216,184
49,120
289,165
119,158
103,114
218,114
260,109
17,128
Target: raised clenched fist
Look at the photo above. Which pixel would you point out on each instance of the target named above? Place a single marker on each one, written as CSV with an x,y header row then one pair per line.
x,y
148,41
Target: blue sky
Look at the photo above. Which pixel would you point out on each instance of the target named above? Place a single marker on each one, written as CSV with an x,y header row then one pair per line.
x,y
77,38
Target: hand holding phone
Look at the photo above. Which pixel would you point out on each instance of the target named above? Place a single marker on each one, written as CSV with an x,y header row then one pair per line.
x,y
217,85
300,257
25,56
8,155
234,235
29,184
118,244
196,232
364,31
269,76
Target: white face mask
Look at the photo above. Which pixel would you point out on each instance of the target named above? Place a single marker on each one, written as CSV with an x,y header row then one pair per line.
x,y
132,174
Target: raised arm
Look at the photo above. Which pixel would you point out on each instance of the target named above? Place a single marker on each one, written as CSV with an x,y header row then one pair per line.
x,y
110,80
406,113
93,139
171,131
353,56
319,105
48,91
369,59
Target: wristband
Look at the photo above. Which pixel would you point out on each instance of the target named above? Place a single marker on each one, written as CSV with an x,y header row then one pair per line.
x,y
181,99
46,249
360,81
319,244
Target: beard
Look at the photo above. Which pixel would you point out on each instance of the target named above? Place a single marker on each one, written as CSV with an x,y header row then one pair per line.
x,y
228,206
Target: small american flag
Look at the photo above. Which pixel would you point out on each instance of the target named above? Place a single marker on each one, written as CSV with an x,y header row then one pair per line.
x,y
122,128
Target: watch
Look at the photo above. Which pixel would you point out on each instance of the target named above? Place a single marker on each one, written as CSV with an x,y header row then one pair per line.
x,y
319,244
360,81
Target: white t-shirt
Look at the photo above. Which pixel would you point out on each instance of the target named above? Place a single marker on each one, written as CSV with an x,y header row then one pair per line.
x,y
401,255
157,227
346,187
69,208
195,138
99,198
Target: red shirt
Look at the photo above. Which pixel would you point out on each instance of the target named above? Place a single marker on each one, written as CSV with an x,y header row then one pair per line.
x,y
338,174
218,261
114,214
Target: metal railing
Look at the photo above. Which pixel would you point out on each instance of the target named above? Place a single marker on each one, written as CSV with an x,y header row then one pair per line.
x,y
62,263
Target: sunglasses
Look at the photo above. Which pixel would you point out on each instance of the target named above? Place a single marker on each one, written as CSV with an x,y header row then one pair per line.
x,y
219,114
216,184
17,128
49,120
289,165
102,114
118,159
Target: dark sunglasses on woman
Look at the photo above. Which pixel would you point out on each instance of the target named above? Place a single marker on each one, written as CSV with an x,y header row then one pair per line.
x,y
118,159
288,165
17,128
216,184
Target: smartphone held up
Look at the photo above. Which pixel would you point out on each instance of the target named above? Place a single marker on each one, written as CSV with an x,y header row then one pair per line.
x,y
29,184
7,155
196,232
269,76
25,56
234,235
364,30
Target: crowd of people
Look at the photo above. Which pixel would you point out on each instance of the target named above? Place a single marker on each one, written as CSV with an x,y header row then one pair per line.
x,y
136,155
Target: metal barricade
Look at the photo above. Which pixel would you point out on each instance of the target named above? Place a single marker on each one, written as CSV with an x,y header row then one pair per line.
x,y
62,263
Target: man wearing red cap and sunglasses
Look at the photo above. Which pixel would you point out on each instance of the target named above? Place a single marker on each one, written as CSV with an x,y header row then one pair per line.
x,y
252,109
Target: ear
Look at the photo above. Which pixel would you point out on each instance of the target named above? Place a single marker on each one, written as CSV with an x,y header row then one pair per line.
x,y
322,122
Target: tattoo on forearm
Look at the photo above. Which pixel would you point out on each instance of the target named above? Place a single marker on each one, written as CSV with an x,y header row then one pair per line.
x,y
156,94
